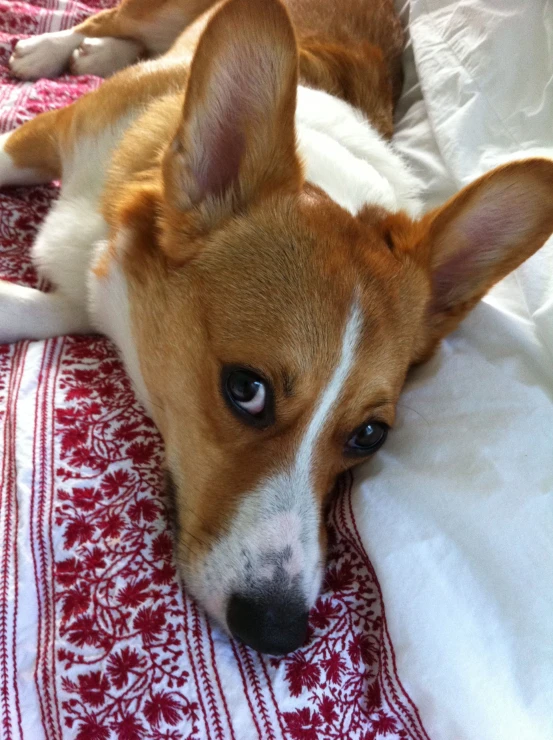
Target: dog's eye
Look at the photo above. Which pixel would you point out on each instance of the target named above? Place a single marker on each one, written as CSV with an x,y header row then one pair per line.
x,y
249,394
247,391
367,439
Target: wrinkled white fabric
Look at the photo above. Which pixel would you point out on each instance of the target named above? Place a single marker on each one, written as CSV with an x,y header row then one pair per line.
x,y
457,511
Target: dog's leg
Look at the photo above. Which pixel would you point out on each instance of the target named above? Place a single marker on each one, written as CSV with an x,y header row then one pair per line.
x,y
122,35
29,155
27,313
49,54
46,55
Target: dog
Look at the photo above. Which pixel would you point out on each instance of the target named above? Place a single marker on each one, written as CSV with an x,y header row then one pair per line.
x,y
233,216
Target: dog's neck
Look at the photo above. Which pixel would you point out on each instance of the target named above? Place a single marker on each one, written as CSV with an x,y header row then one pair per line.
x,y
345,156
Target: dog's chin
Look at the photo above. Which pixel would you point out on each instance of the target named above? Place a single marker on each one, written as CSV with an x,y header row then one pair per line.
x,y
212,599
213,602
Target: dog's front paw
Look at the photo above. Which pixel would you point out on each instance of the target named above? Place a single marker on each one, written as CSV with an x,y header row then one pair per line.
x,y
28,313
10,310
103,56
46,55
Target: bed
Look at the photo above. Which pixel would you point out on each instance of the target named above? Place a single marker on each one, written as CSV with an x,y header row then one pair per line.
x,y
435,616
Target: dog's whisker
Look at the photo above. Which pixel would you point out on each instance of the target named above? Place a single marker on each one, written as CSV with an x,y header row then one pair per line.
x,y
409,408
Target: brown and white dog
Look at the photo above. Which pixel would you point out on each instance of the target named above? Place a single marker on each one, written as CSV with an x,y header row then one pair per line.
x,y
232,216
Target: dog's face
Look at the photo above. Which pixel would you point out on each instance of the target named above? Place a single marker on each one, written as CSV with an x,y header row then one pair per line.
x,y
275,329
302,335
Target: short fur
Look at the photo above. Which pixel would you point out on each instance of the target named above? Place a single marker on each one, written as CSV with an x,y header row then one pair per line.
x,y
215,214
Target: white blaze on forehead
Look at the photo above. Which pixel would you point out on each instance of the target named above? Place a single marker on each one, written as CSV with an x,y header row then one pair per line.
x,y
329,398
288,498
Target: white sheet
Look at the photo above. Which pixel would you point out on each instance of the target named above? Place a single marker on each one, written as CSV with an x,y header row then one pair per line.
x,y
457,512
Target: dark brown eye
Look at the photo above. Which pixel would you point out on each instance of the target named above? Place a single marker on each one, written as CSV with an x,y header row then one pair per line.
x,y
249,394
367,439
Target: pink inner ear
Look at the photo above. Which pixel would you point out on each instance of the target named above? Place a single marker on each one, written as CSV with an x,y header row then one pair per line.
x,y
496,222
478,239
451,278
483,229
232,100
223,145
243,88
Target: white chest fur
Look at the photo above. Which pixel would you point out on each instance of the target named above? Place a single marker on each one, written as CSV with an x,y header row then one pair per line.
x,y
109,308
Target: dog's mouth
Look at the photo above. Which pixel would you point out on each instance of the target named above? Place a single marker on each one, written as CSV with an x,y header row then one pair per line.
x,y
170,496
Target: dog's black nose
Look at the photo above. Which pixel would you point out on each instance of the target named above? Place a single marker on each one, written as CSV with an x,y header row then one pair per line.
x,y
274,625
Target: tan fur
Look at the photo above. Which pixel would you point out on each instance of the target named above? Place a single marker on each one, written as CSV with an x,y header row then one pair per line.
x,y
524,191
334,56
206,304
263,273
35,145
347,49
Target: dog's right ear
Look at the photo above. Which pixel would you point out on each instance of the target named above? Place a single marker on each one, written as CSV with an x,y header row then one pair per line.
x,y
482,234
236,138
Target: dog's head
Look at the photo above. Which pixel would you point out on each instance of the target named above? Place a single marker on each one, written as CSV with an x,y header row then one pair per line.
x,y
275,329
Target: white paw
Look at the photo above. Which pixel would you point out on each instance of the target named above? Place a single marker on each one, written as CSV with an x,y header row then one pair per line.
x,y
46,55
12,300
27,313
103,56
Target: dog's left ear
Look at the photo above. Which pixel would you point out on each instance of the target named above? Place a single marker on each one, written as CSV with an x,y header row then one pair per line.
x,y
482,234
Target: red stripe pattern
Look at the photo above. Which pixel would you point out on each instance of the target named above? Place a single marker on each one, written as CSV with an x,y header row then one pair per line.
x,y
121,652
11,367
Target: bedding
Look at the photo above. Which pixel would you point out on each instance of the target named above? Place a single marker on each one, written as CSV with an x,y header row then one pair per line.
x,y
98,640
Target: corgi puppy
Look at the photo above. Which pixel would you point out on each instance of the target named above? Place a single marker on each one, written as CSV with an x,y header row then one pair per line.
x,y
234,218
